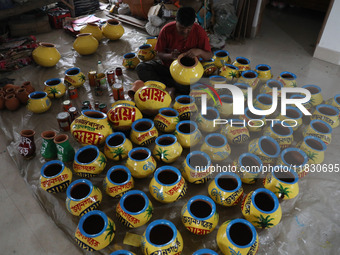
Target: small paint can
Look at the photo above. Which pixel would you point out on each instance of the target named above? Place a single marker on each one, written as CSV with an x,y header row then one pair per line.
x,y
73,113
92,75
110,75
63,119
103,108
72,92
67,105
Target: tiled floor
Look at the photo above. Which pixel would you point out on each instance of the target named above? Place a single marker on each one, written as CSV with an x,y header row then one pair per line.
x,y
285,42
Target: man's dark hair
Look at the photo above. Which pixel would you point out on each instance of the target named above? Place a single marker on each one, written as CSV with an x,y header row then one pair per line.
x,y
186,16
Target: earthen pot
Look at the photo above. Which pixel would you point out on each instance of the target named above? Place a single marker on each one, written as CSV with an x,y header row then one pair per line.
x,y
2,101
135,86
9,85
10,91
28,86
22,95
11,102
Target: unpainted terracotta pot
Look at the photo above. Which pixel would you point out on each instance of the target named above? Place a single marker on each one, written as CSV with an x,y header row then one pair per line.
x,y
11,102
22,95
28,86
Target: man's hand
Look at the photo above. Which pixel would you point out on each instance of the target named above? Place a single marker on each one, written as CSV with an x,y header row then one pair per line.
x,y
175,54
192,53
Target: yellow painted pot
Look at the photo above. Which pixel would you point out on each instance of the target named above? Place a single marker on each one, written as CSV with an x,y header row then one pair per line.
x,y
152,97
55,176
217,79
197,90
308,105
314,148
319,129
294,114
185,70
237,236
85,44
316,96
113,29
230,72
167,185
255,123
266,148
54,88
248,167
199,215
264,72
117,146
146,52
226,189
166,120
93,29
242,63
334,101
185,106
91,128
221,58
235,131
284,184
216,146
122,252
262,208
82,197
267,88
196,167
162,237
122,114
167,149
204,252
244,88
89,161
249,77
134,209
74,77
187,133
152,40
143,132
46,54
118,181
282,134
209,66
294,158
288,79
206,123
94,239
130,60
140,162
263,102
38,102
327,113
226,109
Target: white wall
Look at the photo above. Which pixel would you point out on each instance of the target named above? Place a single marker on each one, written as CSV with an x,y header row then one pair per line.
x,y
328,48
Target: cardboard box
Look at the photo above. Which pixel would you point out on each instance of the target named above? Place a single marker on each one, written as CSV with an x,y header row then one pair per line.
x,y
29,25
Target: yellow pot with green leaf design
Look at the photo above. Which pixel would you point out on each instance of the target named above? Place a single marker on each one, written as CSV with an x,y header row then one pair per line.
x,y
187,133
199,215
118,181
130,60
334,101
140,162
117,146
264,72
327,113
266,148
74,77
283,182
294,114
167,185
196,167
294,158
208,66
199,89
288,79
95,231
248,167
221,58
146,52
162,237
167,149
282,134
237,236
185,106
226,109
230,72
206,122
226,189
316,96
89,161
54,88
134,209
319,129
249,77
255,123
55,176
166,120
151,40
216,146
262,208
314,148
82,197
263,102
38,102
235,131
267,88
143,132
242,63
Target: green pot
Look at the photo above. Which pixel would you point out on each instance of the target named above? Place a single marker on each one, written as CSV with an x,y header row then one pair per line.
x,y
65,151
48,148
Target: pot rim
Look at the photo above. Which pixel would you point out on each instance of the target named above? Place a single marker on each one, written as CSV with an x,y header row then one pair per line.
x,y
250,71
134,192
71,69
218,51
126,55
140,120
313,86
264,95
37,93
47,44
290,73
104,116
265,65
276,144
230,174
185,122
168,109
292,171
165,136
204,252
243,58
160,222
44,133
87,147
246,114
113,135
92,213
185,96
303,154
237,84
330,129
296,110
139,148
324,146
271,194
53,79
231,66
83,35
243,221
252,155
205,155
211,108
205,199
74,183
276,81
27,132
225,141
121,252
179,61
337,112
115,168
58,162
289,128
167,168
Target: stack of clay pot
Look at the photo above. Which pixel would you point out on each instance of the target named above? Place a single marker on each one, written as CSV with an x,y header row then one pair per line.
x,y
12,96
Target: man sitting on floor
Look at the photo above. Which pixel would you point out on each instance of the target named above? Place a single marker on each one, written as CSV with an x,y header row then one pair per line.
x,y
177,37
